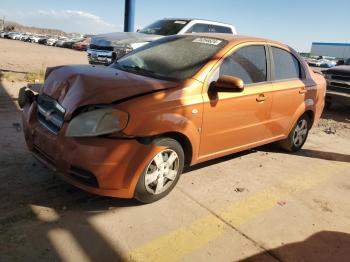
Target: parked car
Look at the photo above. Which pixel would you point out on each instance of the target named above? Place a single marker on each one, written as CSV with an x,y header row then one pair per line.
x,y
61,41
70,43
24,36
12,35
6,35
35,38
17,36
81,46
338,83
128,130
42,41
322,61
104,49
51,41
27,38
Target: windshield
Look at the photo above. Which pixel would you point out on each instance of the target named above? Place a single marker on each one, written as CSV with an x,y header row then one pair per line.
x,y
165,27
172,58
347,61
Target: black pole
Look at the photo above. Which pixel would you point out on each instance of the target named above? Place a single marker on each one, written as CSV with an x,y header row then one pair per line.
x,y
129,15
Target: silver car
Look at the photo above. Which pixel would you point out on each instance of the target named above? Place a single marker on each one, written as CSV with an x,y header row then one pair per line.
x,y
106,48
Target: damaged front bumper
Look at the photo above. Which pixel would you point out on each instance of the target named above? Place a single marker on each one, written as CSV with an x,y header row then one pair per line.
x,y
100,165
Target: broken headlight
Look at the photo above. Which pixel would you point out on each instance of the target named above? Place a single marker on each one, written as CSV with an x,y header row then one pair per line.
x,y
97,122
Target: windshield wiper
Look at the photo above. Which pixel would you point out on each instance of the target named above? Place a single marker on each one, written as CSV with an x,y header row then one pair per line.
x,y
142,71
138,69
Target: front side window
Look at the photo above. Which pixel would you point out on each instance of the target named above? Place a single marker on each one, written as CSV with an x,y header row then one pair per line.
x,y
286,66
165,27
199,28
247,63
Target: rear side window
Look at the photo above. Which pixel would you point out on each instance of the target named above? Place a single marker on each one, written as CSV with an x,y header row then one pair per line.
x,y
220,29
247,63
286,66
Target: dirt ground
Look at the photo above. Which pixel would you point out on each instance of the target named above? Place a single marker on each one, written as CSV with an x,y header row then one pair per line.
x,y
258,205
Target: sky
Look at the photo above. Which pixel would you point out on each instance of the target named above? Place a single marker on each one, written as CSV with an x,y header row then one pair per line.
x,y
297,23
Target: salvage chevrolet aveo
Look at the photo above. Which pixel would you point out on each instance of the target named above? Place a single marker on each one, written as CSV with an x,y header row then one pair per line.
x,y
129,129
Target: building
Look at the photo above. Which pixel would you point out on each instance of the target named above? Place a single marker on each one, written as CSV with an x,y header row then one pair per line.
x,y
338,50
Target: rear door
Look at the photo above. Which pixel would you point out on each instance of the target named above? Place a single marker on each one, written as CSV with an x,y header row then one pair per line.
x,y
289,89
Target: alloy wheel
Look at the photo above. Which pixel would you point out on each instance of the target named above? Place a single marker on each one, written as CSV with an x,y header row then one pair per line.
x,y
300,133
162,171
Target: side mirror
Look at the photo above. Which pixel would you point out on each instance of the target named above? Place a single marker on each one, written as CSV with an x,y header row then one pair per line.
x,y
229,83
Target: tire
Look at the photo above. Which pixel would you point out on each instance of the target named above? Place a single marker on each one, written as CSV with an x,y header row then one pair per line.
x,y
298,135
159,170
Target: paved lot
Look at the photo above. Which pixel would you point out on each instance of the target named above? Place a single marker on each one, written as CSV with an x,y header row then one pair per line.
x,y
258,205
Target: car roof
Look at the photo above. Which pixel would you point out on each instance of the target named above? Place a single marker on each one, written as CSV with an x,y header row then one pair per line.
x,y
197,19
236,38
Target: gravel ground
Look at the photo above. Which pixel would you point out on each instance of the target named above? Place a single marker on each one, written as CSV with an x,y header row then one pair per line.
x,y
18,56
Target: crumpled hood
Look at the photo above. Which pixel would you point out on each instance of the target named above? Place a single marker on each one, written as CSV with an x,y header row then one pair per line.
x,y
343,70
121,38
74,86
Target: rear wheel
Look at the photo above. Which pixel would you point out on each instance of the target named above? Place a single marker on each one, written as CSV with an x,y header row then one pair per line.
x,y
162,173
297,137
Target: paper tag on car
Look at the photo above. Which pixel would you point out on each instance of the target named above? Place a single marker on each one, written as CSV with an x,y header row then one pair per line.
x,y
208,41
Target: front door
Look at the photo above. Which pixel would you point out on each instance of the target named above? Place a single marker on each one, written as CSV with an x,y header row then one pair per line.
x,y
235,120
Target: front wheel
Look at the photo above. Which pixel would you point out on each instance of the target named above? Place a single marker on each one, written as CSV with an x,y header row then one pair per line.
x,y
297,137
162,173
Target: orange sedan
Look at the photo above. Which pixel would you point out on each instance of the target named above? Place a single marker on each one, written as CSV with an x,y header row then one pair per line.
x,y
128,130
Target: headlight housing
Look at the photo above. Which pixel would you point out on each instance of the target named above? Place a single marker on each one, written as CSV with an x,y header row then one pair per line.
x,y
97,122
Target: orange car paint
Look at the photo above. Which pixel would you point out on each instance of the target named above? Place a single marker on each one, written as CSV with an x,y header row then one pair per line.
x,y
262,114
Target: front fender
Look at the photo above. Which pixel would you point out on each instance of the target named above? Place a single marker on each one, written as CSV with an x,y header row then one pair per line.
x,y
169,123
175,111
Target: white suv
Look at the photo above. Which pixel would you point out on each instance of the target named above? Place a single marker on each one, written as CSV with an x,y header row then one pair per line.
x,y
104,49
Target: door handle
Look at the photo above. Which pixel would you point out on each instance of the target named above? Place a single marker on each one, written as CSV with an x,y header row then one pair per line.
x,y
261,98
302,91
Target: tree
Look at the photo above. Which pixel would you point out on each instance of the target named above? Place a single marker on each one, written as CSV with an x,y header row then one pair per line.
x,y
9,28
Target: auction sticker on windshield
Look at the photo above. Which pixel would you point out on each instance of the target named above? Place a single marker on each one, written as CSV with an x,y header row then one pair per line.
x,y
208,41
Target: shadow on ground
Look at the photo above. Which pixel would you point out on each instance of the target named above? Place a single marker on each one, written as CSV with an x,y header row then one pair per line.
x,y
324,246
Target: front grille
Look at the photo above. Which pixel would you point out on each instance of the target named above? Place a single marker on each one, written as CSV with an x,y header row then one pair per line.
x,y
342,78
50,113
338,88
99,47
83,176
